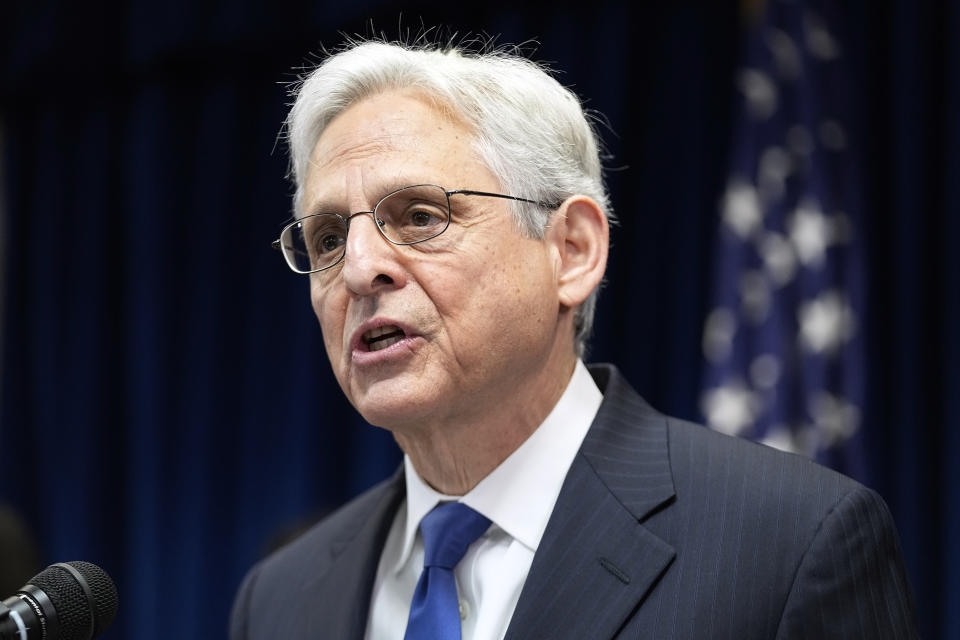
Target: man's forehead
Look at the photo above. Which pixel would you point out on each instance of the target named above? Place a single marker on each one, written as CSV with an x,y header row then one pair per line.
x,y
388,141
388,121
361,141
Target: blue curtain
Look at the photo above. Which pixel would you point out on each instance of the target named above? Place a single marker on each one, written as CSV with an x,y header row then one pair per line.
x,y
167,410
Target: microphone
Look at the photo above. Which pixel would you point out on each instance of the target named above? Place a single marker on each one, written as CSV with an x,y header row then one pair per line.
x,y
65,601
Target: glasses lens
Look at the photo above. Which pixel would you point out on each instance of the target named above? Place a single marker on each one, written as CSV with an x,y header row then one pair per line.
x,y
414,214
314,242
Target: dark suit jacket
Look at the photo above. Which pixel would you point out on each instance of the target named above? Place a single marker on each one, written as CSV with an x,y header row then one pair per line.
x,y
663,529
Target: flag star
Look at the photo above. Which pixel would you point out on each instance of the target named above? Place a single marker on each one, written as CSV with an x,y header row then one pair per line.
x,y
765,371
772,171
811,233
755,296
760,92
832,135
785,53
799,440
741,209
820,43
779,258
826,322
718,333
730,408
781,438
835,419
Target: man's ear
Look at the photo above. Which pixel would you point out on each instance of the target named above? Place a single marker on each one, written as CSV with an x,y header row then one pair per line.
x,y
580,234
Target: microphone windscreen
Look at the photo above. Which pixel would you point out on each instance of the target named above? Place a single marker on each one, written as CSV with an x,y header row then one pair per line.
x,y
77,614
105,600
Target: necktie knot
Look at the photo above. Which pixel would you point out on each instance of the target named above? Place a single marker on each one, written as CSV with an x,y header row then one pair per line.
x,y
448,530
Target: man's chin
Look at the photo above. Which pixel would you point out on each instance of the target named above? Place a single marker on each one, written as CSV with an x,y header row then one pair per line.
x,y
387,406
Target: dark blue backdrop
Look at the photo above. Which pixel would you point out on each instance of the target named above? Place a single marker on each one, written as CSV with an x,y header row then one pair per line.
x,y
166,402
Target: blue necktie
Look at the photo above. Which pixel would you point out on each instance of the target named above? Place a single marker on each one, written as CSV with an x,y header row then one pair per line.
x,y
447,532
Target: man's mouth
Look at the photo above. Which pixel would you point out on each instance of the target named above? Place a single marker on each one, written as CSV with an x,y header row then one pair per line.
x,y
383,337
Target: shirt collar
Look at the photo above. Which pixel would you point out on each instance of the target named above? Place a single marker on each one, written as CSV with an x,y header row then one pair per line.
x,y
518,496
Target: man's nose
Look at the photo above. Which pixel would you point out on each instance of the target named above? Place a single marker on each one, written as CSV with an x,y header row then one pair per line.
x,y
370,262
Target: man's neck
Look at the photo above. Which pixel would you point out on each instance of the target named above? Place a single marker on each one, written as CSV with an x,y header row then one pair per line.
x,y
452,458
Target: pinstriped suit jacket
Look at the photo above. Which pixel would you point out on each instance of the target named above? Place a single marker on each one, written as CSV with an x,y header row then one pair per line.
x,y
663,529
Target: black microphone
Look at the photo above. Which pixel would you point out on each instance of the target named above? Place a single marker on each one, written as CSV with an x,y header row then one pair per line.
x,y
65,601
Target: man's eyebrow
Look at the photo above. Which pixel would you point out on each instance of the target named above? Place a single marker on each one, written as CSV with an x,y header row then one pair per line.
x,y
327,205
322,206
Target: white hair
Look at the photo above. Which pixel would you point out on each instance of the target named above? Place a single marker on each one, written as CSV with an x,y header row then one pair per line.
x,y
530,131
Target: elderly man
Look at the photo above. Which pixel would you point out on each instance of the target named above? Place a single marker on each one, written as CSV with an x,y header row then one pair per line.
x,y
452,217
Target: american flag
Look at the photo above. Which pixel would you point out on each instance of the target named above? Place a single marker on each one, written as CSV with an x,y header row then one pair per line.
x,y
783,340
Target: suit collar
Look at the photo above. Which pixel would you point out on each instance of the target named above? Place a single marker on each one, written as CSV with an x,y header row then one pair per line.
x,y
597,562
627,446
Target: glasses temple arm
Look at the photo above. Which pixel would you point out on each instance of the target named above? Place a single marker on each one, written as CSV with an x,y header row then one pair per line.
x,y
470,192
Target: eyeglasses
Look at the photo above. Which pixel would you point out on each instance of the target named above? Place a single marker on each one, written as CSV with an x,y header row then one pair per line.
x,y
406,216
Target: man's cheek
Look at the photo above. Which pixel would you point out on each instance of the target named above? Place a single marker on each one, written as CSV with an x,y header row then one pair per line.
x,y
329,314
334,342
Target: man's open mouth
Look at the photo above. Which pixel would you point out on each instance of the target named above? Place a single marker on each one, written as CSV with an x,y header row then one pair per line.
x,y
383,337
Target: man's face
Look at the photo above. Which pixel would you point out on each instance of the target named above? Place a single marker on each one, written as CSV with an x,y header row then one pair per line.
x,y
477,305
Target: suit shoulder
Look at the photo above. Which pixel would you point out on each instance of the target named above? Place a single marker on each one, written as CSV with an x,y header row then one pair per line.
x,y
701,457
310,553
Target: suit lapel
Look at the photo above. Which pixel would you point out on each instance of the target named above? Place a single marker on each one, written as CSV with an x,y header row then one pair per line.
x,y
597,562
340,596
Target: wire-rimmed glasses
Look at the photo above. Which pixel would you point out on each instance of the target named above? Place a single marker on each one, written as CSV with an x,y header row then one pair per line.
x,y
409,215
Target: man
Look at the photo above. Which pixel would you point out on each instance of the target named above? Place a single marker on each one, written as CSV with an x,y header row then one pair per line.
x,y
452,217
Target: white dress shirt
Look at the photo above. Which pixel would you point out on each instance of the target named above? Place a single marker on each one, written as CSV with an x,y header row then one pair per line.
x,y
517,497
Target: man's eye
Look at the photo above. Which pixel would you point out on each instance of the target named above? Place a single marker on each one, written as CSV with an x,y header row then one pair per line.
x,y
330,242
423,217
326,240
